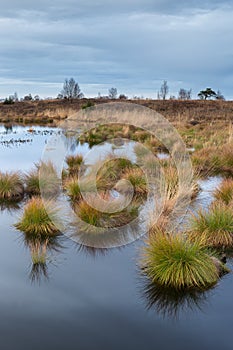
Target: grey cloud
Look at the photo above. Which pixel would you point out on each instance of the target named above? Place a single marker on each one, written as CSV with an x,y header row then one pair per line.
x,y
132,45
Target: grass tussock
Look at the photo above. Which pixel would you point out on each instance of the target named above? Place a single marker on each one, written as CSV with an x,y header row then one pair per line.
x,y
43,178
90,215
38,218
138,180
214,227
173,261
214,160
11,186
73,189
74,163
224,192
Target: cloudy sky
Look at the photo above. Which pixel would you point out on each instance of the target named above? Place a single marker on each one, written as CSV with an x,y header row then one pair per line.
x,y
130,44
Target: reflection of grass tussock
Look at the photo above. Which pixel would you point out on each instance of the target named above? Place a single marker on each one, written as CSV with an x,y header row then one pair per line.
x,y
173,261
214,227
169,301
11,186
38,218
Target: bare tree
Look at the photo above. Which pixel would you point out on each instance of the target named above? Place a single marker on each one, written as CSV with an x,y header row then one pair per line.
x,y
112,93
184,94
164,90
71,89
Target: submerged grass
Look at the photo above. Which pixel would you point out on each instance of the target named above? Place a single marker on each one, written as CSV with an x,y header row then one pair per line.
x,y
38,218
11,186
173,261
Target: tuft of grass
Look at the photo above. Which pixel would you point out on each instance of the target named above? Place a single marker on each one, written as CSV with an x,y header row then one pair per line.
x,y
74,162
73,189
44,177
214,160
11,186
173,261
214,227
225,192
38,218
138,180
90,215
32,183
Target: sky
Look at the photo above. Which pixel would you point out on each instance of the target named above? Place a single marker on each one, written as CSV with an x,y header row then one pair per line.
x,y
132,45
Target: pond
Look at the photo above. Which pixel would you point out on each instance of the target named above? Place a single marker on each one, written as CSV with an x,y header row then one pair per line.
x,y
90,299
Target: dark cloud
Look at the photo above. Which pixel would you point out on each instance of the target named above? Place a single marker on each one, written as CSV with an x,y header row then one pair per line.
x,y
130,44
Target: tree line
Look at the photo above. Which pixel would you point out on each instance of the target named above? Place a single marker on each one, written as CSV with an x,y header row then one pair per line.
x,y
71,91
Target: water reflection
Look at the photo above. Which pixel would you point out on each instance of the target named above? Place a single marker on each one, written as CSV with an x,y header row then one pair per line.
x,y
41,249
9,206
92,251
170,302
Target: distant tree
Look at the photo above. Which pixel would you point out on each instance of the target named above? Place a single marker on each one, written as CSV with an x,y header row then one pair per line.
x,y
184,94
15,97
207,93
71,90
36,98
60,96
28,97
164,90
219,96
112,93
8,101
123,97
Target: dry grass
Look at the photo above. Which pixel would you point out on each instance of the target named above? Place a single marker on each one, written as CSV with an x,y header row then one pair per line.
x,y
224,192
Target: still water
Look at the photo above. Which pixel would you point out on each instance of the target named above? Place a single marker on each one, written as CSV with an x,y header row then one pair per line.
x,y
87,299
